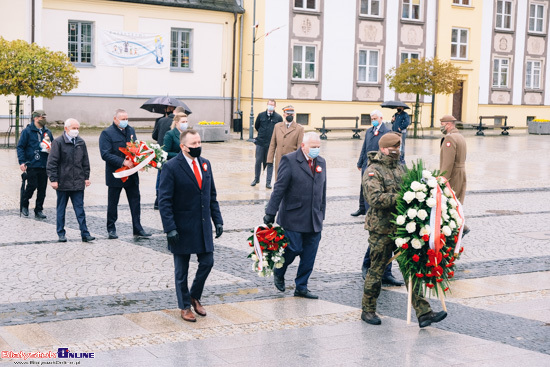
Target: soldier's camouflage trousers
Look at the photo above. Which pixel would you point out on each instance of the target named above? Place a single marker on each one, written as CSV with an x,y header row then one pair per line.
x,y
381,247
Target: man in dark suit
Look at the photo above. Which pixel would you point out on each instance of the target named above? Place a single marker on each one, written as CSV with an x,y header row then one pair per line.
x,y
401,121
187,205
299,196
114,137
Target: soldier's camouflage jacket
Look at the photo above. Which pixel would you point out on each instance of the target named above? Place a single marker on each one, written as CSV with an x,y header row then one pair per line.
x,y
381,184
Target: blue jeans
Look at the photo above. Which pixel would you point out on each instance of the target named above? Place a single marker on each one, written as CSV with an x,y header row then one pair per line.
x,y
403,138
77,198
304,245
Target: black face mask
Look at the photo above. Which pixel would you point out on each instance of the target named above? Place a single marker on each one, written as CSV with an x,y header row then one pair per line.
x,y
290,118
195,152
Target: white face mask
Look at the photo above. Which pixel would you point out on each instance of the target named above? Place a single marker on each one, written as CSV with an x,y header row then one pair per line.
x,y
183,126
73,133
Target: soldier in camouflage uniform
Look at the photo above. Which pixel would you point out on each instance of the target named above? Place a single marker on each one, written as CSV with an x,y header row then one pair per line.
x,y
382,182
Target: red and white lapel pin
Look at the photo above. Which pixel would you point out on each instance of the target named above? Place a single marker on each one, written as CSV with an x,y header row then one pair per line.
x,y
318,169
204,167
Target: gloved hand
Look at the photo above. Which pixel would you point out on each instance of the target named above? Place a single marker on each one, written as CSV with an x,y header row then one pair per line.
x,y
219,230
173,237
269,219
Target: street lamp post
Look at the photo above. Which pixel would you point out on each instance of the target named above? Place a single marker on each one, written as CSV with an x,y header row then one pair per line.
x,y
251,127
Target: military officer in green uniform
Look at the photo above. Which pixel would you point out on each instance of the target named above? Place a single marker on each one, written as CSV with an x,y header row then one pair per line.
x,y
381,183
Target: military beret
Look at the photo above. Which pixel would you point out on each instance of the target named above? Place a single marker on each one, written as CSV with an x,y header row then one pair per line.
x,y
288,110
448,118
38,113
390,140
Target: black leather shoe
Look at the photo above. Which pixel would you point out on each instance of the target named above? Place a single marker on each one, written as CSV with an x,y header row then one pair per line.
x,y
431,317
390,280
155,207
62,239
305,294
113,235
88,239
254,183
370,318
39,215
142,234
358,213
268,186
465,231
25,211
364,271
279,282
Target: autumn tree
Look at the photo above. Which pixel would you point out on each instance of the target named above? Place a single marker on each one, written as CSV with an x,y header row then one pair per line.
x,y
34,71
424,77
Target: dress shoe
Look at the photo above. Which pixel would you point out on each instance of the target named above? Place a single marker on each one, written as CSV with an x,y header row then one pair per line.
x,y
465,231
254,182
88,238
39,215
141,234
370,318
430,317
155,207
25,211
279,282
187,315
390,280
62,239
268,186
364,271
198,307
113,235
305,294
358,213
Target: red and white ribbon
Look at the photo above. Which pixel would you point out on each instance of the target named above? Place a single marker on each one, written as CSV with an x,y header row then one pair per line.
x,y
133,170
258,250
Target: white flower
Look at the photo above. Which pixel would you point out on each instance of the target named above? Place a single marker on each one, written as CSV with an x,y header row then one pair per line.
x,y
446,231
411,227
453,203
431,202
447,192
400,220
265,263
432,182
424,188
411,213
159,165
409,196
254,257
453,213
164,155
400,241
452,224
416,186
416,243
458,221
422,214
424,231
279,265
441,180
426,174
420,196
445,217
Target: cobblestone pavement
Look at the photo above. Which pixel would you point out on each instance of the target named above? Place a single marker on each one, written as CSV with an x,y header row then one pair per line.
x,y
501,295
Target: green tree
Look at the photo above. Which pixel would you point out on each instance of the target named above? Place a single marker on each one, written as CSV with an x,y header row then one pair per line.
x,y
424,77
34,71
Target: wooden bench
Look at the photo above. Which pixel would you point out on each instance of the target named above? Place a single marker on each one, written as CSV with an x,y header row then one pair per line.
x,y
356,130
481,126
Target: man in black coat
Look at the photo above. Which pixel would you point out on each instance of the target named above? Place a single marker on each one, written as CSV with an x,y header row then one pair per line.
x,y
114,137
33,157
264,126
69,172
188,206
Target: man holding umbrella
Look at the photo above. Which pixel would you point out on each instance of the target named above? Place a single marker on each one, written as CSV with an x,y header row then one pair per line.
x,y
401,121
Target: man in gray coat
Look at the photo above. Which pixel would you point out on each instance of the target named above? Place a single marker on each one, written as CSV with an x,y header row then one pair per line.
x,y
299,196
69,171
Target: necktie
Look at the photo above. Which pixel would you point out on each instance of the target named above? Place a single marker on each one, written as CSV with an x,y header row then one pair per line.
x,y
310,162
73,140
197,174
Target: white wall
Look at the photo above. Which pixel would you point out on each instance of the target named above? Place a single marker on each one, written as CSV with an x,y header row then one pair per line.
x,y
338,50
275,68
485,62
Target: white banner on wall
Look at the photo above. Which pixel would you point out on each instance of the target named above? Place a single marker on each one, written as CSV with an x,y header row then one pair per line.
x,y
144,50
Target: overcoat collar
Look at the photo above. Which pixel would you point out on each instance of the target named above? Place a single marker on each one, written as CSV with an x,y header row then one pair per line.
x,y
185,166
302,161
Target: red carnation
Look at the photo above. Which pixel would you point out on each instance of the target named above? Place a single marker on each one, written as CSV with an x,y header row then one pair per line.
x,y
426,238
461,249
450,274
442,236
250,244
446,289
449,265
419,275
452,259
405,246
439,280
456,239
416,258
429,264
446,256
430,252
429,285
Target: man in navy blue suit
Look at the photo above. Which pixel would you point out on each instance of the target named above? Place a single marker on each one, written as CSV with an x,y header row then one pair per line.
x,y
300,196
111,139
188,205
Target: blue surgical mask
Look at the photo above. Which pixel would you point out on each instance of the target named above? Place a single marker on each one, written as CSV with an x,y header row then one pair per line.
x,y
183,126
313,152
123,123
375,123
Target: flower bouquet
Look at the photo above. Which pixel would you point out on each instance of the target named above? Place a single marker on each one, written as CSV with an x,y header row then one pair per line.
x,y
430,222
269,245
143,155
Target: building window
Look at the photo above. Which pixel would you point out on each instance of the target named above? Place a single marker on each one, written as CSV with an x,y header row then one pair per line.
x,y
532,75
536,17
459,43
370,7
303,64
462,2
504,14
365,119
368,66
409,56
180,49
302,118
411,9
80,42
305,4
500,72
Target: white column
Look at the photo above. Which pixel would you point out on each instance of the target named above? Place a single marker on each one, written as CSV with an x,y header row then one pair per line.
x,y
521,39
485,60
546,75
393,14
431,17
276,58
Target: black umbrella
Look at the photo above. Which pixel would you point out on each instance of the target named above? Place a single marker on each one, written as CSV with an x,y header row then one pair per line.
x,y
22,191
159,104
394,105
